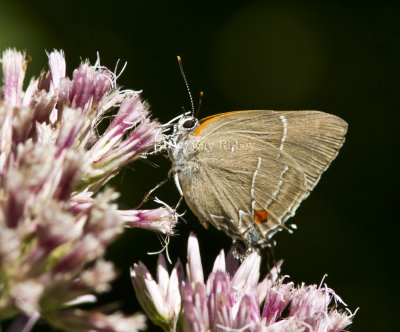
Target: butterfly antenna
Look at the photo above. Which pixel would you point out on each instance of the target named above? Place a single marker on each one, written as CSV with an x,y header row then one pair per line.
x,y
200,101
186,83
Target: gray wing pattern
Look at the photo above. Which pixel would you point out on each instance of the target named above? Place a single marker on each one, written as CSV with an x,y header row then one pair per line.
x,y
311,138
270,167
244,181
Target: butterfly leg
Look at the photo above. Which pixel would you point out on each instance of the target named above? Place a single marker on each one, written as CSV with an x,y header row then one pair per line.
x,y
146,197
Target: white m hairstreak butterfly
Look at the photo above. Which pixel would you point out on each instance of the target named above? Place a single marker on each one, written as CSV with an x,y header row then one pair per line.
x,y
246,172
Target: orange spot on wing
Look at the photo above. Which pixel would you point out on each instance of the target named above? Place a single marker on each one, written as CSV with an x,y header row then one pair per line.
x,y
204,122
261,216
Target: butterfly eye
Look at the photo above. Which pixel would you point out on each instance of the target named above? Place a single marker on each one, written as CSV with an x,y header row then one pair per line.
x,y
189,123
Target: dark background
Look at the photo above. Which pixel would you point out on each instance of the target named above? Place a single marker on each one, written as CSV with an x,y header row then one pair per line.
x,y
338,57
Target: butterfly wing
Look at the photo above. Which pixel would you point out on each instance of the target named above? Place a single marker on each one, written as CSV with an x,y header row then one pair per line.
x,y
311,138
254,170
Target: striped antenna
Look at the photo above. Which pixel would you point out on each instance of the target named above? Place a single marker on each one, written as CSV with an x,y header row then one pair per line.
x,y
186,83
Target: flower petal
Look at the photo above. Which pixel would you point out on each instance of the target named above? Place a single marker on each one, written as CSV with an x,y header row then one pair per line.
x,y
219,264
162,276
14,66
194,269
247,275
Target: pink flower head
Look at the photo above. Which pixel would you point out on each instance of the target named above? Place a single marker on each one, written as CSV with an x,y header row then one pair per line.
x,y
224,295
233,299
162,219
159,298
56,218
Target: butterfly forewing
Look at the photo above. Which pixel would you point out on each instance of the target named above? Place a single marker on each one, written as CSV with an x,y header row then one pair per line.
x,y
312,138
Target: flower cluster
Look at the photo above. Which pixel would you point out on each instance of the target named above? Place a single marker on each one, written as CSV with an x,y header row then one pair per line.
x,y
233,299
55,223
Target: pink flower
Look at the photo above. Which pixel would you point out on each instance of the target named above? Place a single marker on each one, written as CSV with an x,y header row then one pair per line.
x,y
55,218
115,148
160,299
161,219
233,299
